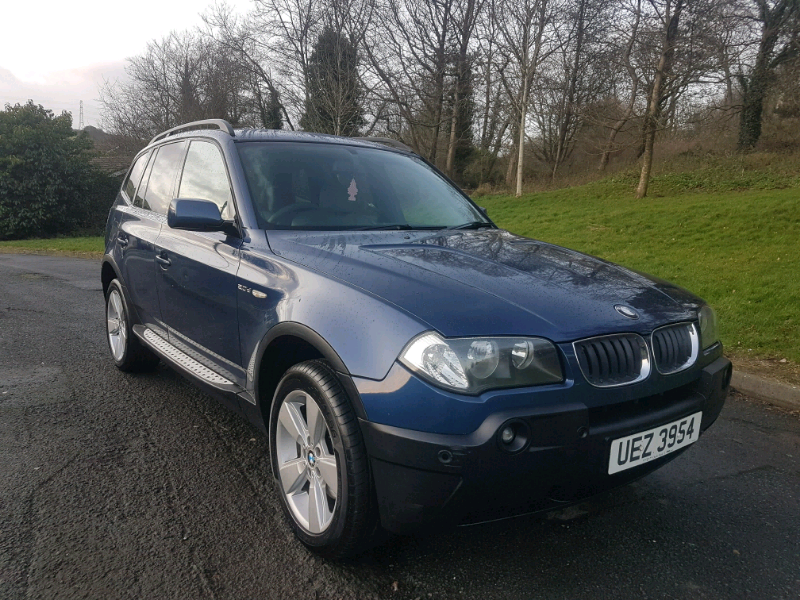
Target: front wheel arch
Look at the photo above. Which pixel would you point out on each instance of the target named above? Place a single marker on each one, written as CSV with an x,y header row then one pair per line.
x,y
286,345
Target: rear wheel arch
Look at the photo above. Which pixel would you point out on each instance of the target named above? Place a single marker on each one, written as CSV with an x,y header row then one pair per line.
x,y
128,352
108,273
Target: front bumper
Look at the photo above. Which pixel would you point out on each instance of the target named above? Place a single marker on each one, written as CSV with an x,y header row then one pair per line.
x,y
422,478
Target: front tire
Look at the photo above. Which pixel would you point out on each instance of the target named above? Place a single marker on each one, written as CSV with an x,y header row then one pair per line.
x,y
128,352
320,462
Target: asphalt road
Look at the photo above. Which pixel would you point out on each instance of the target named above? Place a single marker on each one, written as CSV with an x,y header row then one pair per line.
x,y
119,486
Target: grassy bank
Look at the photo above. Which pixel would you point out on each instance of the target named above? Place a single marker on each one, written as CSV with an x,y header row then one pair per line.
x,y
89,247
736,249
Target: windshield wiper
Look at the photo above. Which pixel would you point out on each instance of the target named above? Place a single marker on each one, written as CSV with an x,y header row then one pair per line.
x,y
396,226
470,225
405,227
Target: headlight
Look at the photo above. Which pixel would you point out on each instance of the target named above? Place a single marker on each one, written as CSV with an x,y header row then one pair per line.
x,y
472,365
708,327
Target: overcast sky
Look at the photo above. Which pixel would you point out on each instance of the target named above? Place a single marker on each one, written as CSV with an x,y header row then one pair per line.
x,y
58,53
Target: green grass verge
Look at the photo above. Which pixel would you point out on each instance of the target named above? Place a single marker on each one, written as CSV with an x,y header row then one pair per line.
x,y
76,246
736,249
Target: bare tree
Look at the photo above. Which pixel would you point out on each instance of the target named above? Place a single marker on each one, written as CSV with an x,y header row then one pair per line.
x,y
243,38
633,82
574,77
286,31
468,82
408,52
180,78
567,126
492,111
521,26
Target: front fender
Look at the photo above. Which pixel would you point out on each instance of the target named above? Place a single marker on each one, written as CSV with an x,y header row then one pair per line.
x,y
359,333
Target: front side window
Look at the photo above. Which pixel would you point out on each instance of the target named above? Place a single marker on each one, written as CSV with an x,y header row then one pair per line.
x,y
205,178
162,177
133,178
297,185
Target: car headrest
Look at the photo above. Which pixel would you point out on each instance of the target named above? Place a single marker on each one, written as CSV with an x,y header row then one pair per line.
x,y
282,191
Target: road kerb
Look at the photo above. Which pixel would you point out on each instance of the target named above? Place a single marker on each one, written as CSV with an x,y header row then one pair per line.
x,y
774,392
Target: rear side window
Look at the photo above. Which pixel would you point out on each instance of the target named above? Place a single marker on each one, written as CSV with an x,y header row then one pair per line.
x,y
205,178
133,178
162,177
139,199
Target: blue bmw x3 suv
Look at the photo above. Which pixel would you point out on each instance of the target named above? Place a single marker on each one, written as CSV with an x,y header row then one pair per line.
x,y
411,363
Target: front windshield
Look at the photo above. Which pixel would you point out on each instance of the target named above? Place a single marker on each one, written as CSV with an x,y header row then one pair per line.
x,y
296,185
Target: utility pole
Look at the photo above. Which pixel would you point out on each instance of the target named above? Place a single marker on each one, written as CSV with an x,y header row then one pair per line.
x,y
80,119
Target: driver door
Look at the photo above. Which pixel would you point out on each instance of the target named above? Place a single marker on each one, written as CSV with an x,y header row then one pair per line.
x,y
197,270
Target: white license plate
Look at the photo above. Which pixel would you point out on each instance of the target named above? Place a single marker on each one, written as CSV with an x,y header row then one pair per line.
x,y
639,448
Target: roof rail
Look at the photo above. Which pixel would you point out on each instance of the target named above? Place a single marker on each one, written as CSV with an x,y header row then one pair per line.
x,y
388,142
220,124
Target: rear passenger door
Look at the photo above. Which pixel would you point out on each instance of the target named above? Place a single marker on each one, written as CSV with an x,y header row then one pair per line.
x,y
197,270
124,223
141,226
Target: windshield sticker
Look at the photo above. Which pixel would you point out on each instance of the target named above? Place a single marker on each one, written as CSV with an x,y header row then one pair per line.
x,y
352,190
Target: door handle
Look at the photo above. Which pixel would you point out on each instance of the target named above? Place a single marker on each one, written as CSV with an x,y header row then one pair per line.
x,y
163,260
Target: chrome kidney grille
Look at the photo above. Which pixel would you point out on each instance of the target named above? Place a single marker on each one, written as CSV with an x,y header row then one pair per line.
x,y
675,347
624,358
613,360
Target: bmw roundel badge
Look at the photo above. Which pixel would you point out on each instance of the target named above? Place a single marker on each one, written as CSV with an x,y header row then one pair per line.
x,y
626,311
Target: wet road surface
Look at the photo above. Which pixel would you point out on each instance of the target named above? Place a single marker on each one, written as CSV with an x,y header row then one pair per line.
x,y
120,486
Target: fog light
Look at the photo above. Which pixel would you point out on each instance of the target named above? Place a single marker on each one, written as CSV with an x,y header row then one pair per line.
x,y
507,435
513,436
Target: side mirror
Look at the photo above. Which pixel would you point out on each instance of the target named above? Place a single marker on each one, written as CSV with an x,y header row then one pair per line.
x,y
484,210
197,215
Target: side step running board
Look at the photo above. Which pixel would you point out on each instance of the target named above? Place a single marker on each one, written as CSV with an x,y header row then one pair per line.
x,y
184,360
186,363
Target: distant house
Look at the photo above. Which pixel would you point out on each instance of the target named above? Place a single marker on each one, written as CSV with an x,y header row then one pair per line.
x,y
113,157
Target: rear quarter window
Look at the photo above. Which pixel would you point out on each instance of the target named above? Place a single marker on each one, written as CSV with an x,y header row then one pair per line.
x,y
134,177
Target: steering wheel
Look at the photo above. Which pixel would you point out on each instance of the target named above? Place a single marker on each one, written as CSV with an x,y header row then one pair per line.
x,y
289,209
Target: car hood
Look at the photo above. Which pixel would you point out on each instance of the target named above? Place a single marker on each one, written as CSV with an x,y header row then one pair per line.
x,y
490,282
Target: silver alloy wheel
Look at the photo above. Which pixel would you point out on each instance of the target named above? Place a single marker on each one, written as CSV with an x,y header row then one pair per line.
x,y
307,466
117,329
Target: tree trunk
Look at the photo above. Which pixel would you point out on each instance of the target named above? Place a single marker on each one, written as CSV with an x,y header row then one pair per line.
x,y
755,88
451,145
616,129
512,160
496,148
485,139
649,131
523,113
653,107
750,119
